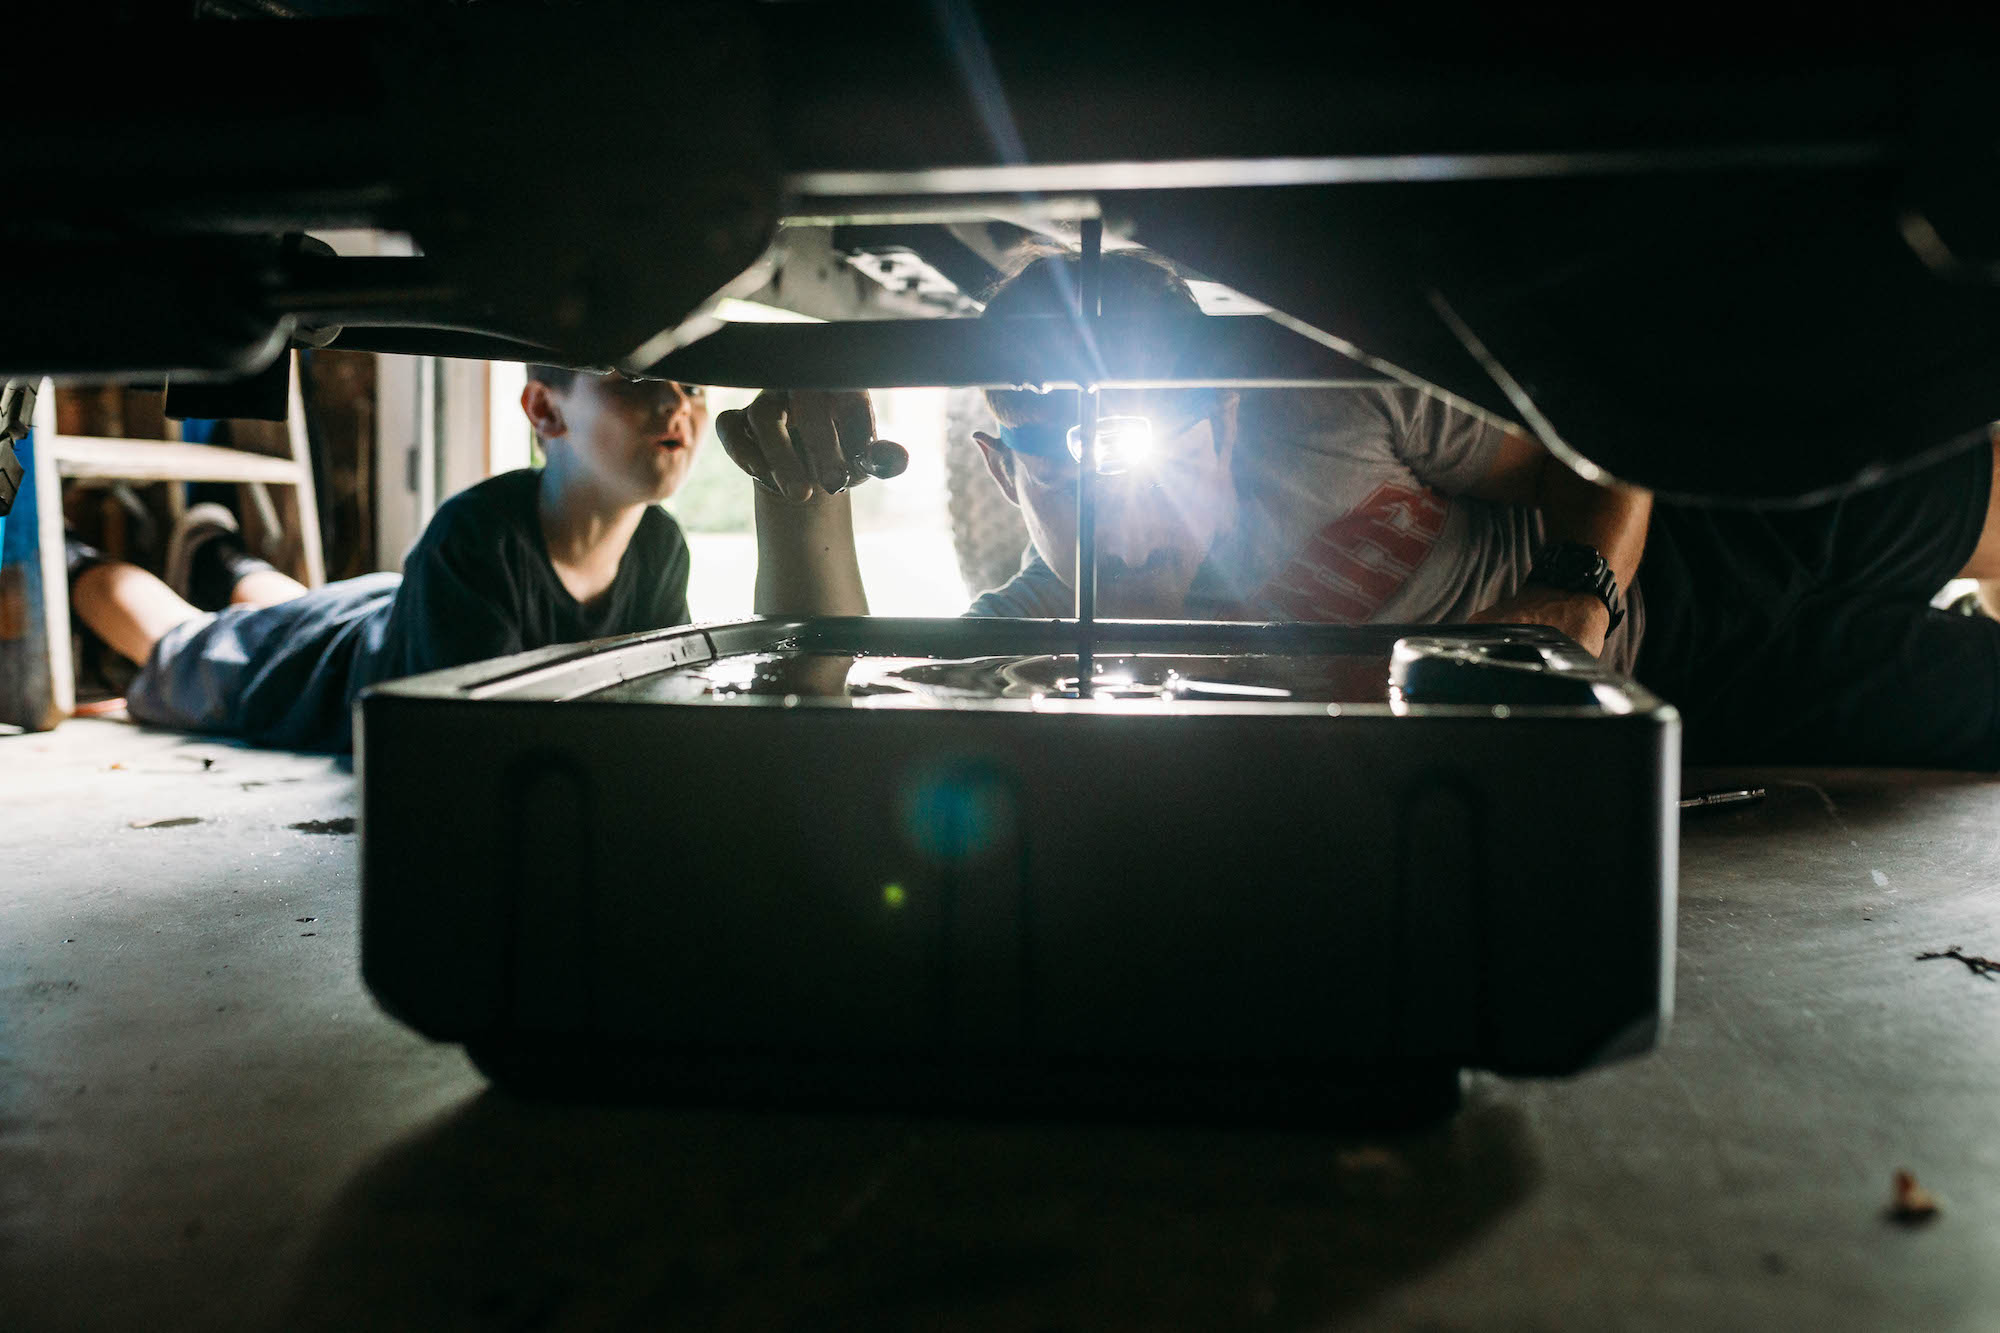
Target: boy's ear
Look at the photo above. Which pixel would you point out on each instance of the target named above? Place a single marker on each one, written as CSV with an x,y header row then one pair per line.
x,y
543,408
999,462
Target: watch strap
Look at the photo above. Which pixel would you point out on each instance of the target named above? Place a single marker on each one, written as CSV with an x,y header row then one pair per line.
x,y
1579,567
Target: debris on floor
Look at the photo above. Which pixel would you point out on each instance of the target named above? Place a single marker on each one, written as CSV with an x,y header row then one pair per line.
x,y
1979,967
1910,1203
345,824
181,821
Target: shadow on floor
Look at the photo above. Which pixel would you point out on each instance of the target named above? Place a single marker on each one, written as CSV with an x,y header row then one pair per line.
x,y
516,1215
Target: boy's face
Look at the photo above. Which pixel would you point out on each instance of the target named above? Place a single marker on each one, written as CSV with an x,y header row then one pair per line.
x,y
637,438
1155,523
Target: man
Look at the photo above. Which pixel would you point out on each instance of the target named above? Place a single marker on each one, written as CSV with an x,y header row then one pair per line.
x,y
578,549
1802,636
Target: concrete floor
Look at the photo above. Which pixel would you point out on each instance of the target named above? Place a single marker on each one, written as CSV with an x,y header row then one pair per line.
x,y
206,1124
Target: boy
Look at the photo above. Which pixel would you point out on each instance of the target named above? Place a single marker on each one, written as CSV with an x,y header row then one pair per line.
x,y
1801,636
579,549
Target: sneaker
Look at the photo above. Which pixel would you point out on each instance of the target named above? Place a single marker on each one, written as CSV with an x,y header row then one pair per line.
x,y
206,557
101,671
201,524
78,555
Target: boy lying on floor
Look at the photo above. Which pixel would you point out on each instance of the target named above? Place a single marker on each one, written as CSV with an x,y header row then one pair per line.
x,y
579,549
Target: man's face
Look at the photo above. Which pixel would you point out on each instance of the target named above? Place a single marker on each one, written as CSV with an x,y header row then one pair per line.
x,y
1155,523
636,438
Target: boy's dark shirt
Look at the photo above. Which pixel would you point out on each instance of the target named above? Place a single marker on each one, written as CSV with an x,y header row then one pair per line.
x,y
479,584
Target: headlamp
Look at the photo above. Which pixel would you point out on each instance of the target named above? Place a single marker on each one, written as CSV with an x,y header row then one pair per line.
x,y
1123,443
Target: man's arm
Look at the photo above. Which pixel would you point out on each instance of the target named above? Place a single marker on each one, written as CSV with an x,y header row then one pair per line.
x,y
1611,518
806,562
805,451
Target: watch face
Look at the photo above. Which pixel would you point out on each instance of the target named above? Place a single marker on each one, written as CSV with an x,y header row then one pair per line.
x,y
1574,567
1573,562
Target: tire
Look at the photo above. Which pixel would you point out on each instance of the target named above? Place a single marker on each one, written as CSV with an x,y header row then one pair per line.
x,y
987,533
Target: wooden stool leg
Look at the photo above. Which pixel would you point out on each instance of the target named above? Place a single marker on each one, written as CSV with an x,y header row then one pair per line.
x,y
312,556
280,520
264,529
37,682
55,584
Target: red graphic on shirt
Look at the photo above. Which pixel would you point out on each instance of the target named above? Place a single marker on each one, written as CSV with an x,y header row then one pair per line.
x,y
1352,567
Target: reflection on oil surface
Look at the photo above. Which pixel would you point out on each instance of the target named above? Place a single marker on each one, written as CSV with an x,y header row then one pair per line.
x,y
1250,677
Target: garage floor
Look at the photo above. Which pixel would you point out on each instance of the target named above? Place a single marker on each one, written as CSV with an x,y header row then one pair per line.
x,y
206,1124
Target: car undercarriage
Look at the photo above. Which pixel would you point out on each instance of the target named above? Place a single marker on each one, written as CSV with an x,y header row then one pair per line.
x,y
1673,256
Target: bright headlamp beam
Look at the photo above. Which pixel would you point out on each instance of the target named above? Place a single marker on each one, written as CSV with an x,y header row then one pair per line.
x,y
1123,443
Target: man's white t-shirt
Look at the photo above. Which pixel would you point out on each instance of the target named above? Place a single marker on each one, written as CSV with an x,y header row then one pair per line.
x,y
1352,510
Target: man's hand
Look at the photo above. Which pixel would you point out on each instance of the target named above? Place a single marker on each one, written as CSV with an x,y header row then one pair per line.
x,y
806,446
806,450
1577,614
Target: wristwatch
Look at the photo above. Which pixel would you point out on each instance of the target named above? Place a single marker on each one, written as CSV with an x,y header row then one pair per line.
x,y
1575,567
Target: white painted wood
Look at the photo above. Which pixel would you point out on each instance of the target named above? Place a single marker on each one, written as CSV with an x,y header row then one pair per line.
x,y
404,462
57,456
433,439
163,460
311,552
464,432
55,570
